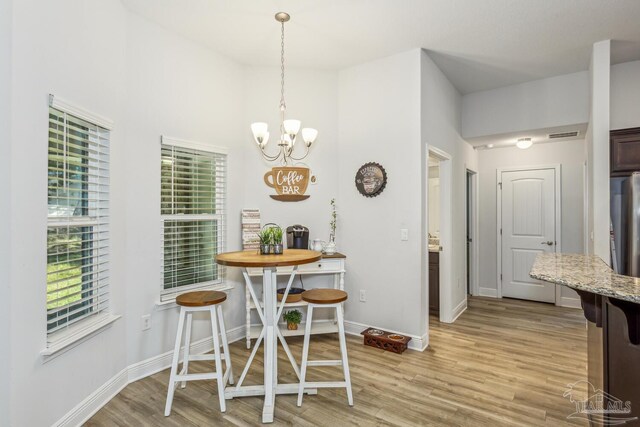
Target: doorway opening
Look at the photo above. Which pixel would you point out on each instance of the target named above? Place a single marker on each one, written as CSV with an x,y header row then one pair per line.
x,y
434,247
438,236
471,233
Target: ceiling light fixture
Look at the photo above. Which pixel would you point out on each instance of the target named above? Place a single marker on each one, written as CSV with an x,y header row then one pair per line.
x,y
489,145
524,143
288,128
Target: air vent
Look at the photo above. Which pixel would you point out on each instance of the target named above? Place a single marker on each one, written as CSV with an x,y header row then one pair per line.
x,y
563,135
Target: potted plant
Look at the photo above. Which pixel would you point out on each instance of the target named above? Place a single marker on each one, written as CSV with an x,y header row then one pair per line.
x,y
293,319
276,240
330,248
265,236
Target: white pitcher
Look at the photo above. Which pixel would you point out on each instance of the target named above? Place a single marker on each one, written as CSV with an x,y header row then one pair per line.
x,y
317,245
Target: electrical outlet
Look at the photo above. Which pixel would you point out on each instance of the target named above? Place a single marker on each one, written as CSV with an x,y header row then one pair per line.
x,y
363,295
146,322
404,234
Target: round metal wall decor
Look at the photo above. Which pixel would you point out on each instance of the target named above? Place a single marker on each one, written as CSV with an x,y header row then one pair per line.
x,y
371,179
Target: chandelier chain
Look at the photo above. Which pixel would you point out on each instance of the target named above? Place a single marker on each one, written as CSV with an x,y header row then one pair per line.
x,y
282,103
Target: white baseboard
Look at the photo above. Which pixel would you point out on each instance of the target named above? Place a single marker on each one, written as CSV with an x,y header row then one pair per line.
x,y
570,302
96,400
459,309
416,343
488,292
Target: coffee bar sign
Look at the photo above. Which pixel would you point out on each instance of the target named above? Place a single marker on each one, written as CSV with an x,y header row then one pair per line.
x,y
290,182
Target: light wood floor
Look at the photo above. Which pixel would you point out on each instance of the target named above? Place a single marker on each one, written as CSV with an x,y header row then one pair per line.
x,y
504,362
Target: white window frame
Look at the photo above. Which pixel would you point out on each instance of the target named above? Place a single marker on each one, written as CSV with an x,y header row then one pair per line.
x,y
168,296
90,325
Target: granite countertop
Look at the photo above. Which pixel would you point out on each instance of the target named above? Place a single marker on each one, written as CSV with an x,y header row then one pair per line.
x,y
585,273
434,248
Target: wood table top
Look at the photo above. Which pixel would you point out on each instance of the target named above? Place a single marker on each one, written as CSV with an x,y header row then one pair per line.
x,y
254,259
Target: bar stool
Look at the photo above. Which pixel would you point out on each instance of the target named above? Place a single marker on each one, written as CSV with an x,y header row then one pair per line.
x,y
189,303
325,298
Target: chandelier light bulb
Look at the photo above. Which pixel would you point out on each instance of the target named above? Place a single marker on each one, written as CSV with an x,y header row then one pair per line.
x,y
286,141
260,132
291,127
309,136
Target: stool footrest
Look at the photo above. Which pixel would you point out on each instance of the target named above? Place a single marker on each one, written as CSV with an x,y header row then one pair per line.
x,y
324,363
327,384
206,356
196,377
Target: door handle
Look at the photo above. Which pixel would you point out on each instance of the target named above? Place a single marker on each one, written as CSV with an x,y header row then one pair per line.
x,y
549,242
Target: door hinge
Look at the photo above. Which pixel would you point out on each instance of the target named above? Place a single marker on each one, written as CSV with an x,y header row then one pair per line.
x,y
500,185
501,277
501,231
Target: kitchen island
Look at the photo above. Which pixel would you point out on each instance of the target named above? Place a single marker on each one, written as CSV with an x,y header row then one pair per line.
x,y
611,305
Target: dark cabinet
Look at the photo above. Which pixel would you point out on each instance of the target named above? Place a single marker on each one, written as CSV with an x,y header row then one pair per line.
x,y
613,333
621,333
625,151
434,282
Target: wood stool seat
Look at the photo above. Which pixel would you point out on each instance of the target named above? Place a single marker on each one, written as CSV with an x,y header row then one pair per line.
x,y
324,296
200,298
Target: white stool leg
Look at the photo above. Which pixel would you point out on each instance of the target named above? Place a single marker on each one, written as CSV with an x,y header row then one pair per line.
x,y
187,349
174,364
305,353
216,355
343,350
225,344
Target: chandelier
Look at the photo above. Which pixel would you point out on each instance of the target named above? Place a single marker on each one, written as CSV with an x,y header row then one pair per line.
x,y
289,128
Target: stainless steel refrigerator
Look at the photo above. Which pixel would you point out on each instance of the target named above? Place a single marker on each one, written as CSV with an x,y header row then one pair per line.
x,y
629,234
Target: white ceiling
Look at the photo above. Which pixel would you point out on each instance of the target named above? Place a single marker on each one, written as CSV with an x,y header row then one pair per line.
x,y
479,45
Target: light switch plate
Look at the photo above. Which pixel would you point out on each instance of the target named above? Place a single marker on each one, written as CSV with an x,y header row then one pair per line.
x,y
404,234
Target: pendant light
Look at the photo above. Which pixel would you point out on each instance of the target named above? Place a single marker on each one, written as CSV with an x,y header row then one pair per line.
x,y
289,128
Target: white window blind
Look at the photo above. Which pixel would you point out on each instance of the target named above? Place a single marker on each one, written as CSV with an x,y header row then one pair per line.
x,y
78,220
193,195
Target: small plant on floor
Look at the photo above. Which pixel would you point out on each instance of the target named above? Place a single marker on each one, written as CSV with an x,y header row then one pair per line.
x,y
293,319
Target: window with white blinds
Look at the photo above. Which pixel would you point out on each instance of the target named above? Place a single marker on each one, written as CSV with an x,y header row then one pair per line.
x,y
78,220
193,195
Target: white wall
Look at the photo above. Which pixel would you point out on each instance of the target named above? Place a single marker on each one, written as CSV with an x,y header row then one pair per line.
x,y
177,88
555,101
441,108
379,121
597,147
625,95
75,50
5,208
570,155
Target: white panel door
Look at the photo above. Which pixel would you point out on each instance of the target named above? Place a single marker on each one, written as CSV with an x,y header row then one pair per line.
x,y
528,228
